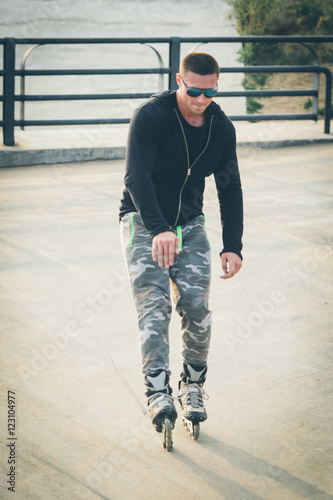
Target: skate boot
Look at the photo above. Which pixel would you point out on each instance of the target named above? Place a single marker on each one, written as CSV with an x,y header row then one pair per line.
x,y
160,405
190,396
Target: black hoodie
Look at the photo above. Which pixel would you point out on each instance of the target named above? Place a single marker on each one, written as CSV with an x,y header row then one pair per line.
x,y
164,187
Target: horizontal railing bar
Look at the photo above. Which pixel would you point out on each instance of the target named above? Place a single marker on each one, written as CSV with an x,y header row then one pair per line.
x,y
54,72
127,120
263,38
83,97
232,39
86,41
237,69
267,93
102,121
276,69
260,117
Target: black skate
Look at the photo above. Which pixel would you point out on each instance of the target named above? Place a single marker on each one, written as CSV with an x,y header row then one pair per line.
x,y
160,405
190,396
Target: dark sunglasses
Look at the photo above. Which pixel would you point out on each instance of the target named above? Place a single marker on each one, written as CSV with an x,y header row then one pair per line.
x,y
194,92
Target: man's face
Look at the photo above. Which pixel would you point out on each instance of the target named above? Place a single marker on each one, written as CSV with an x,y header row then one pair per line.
x,y
195,106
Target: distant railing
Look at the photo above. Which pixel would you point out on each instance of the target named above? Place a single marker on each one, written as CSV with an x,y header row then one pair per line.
x,y
9,72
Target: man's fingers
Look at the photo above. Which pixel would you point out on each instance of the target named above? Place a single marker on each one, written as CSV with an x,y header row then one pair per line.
x,y
160,256
170,249
164,247
227,275
168,255
173,249
154,251
229,271
231,264
225,266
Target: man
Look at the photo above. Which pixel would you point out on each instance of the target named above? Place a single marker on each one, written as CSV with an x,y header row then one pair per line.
x,y
176,139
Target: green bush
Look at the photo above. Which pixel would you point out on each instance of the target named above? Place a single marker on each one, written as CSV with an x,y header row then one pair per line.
x,y
253,106
281,17
321,111
288,17
308,103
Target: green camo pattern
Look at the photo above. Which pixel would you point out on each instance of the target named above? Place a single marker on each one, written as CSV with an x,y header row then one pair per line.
x,y
189,278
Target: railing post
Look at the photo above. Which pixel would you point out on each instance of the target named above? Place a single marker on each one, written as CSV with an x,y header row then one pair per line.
x,y
160,61
23,61
174,61
9,92
315,100
328,101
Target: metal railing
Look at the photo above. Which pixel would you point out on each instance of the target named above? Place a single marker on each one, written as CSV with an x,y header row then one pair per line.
x,y
9,72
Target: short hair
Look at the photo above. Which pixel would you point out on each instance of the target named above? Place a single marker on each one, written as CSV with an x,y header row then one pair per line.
x,y
200,63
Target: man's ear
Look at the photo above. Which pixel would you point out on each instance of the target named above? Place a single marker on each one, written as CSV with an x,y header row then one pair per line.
x,y
178,79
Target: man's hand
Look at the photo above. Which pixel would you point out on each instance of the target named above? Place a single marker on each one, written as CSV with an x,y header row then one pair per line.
x,y
165,245
231,264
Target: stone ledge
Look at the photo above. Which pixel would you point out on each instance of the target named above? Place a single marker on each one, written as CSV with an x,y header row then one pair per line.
x,y
24,157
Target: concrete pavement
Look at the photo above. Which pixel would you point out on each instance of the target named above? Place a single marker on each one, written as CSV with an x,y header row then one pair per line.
x,y
69,348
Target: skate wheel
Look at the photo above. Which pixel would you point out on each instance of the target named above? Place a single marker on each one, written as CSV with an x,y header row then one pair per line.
x,y
196,432
167,434
192,428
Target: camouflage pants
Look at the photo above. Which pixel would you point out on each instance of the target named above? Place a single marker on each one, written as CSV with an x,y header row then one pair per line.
x,y
190,282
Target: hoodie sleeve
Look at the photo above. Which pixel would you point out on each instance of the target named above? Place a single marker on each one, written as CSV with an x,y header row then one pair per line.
x,y
230,195
142,144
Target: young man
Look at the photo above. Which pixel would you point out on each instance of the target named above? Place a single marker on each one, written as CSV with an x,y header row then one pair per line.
x,y
176,139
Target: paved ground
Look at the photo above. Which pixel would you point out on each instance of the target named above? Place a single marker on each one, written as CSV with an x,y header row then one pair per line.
x,y
70,354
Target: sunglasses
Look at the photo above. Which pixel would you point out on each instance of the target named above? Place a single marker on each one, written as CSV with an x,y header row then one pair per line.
x,y
194,92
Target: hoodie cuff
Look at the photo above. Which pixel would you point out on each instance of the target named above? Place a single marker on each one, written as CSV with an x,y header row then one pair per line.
x,y
226,250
